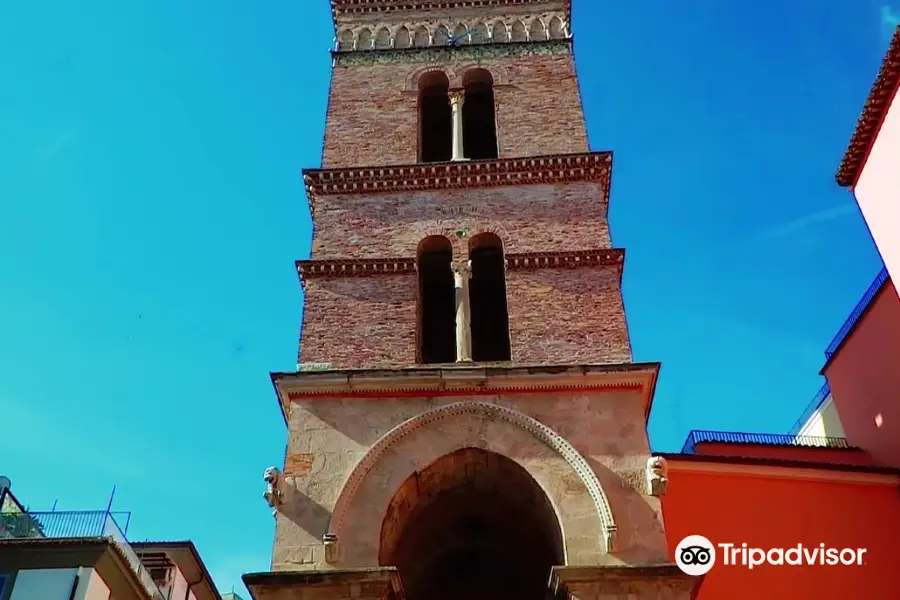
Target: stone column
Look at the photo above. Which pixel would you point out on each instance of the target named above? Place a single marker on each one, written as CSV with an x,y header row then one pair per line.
x,y
462,273
457,99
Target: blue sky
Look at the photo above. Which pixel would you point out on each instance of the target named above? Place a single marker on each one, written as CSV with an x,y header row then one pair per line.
x,y
152,208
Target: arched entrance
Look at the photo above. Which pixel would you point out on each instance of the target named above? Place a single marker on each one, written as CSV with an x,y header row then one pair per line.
x,y
475,525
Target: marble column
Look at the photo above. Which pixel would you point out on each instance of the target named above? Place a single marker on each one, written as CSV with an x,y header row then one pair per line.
x,y
462,273
457,99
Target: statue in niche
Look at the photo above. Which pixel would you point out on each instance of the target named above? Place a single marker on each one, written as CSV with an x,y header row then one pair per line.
x,y
657,476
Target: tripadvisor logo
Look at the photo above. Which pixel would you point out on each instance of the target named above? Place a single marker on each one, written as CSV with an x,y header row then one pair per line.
x,y
696,555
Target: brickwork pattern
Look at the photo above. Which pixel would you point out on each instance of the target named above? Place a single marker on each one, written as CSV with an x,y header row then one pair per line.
x,y
557,316
373,113
537,218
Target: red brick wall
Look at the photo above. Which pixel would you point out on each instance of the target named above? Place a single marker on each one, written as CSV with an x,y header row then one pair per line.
x,y
537,218
556,316
373,114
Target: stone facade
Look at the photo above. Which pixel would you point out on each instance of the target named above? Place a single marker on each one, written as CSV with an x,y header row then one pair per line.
x,y
467,479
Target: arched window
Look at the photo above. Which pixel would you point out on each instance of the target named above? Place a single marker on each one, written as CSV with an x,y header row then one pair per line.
x,y
437,301
435,118
479,120
487,298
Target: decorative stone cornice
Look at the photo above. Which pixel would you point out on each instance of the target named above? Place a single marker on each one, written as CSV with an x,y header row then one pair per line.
x,y
442,54
471,380
370,267
534,170
361,267
350,7
566,260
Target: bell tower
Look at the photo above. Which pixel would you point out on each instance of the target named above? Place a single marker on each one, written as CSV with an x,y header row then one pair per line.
x,y
465,419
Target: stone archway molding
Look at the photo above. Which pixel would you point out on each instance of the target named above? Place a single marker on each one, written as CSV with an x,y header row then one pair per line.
x,y
540,431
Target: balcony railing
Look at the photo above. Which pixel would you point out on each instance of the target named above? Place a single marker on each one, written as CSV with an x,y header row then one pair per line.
x,y
814,404
769,439
78,524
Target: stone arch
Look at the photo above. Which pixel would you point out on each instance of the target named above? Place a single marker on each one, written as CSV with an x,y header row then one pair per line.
x,y
441,35
499,74
421,37
346,40
402,37
462,34
364,39
383,38
480,34
355,525
473,523
557,28
537,31
413,80
499,32
518,33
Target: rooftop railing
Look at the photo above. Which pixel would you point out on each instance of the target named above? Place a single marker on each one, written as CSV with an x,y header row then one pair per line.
x,y
769,439
814,405
854,317
78,524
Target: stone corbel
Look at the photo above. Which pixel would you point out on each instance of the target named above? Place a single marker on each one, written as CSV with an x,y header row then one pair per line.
x,y
610,538
330,541
657,474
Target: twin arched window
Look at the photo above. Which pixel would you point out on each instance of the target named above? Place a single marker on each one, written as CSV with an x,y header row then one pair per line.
x,y
475,123
438,300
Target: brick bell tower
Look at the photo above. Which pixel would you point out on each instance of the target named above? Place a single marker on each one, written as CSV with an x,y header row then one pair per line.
x,y
465,420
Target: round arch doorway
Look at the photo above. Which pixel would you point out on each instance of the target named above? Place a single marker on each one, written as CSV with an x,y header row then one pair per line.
x,y
473,524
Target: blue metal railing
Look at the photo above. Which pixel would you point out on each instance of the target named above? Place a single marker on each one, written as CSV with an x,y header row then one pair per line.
x,y
861,306
814,404
78,524
769,439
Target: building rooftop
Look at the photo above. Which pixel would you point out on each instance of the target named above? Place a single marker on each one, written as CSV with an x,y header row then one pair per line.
x,y
856,315
884,89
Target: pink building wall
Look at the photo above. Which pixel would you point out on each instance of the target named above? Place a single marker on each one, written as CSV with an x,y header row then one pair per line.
x,y
864,375
180,588
877,189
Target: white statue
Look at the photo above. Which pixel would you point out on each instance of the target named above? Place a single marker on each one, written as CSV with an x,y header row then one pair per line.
x,y
657,476
274,494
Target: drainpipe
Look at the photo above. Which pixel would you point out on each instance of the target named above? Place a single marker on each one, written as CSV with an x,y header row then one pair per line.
x,y
187,592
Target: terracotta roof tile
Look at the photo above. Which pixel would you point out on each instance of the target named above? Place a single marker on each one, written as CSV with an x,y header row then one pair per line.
x,y
873,114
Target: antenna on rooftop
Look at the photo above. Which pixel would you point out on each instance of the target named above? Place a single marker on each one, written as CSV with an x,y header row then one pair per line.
x,y
111,496
54,505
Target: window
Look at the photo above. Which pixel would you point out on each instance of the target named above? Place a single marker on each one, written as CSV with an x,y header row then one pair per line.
x,y
479,119
435,118
487,290
437,301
